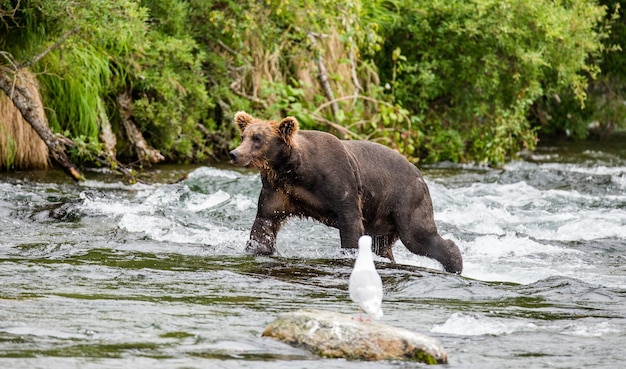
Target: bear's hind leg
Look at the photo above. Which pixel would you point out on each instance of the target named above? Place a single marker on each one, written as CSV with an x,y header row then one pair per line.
x,y
433,246
420,236
383,246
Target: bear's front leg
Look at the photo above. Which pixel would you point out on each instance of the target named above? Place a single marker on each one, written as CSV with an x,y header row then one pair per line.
x,y
269,217
350,230
262,237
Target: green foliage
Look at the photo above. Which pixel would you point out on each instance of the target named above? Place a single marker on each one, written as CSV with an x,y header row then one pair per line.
x,y
78,77
85,148
443,145
476,67
461,76
458,80
271,54
612,63
73,94
116,47
562,115
8,151
604,109
170,89
392,126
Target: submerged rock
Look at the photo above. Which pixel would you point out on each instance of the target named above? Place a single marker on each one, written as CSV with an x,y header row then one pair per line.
x,y
336,335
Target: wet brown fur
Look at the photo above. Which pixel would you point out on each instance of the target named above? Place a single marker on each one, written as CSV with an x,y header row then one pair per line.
x,y
358,187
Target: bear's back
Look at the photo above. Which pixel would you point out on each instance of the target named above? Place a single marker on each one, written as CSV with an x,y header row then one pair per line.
x,y
361,149
377,159
373,160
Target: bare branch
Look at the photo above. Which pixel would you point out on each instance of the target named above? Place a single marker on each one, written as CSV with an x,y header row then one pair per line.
x,y
56,45
10,15
322,74
343,130
9,58
355,79
348,98
233,87
147,154
223,45
367,98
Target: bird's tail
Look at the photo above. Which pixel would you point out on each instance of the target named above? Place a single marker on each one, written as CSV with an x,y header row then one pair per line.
x,y
378,314
374,310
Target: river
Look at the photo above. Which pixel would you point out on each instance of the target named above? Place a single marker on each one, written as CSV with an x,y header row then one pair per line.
x,y
108,275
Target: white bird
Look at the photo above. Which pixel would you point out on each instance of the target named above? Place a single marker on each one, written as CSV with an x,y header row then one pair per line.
x,y
366,287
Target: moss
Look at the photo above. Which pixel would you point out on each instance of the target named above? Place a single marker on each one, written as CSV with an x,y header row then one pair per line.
x,y
422,357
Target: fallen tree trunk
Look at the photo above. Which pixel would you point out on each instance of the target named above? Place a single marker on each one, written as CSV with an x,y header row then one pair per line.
x,y
19,89
107,137
147,154
15,87
336,335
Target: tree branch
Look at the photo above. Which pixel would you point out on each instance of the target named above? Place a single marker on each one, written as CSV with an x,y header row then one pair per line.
x,y
355,79
56,45
322,74
30,107
233,88
147,154
341,129
10,15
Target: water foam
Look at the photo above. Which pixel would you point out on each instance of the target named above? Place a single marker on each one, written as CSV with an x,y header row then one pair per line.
x,y
589,329
475,325
513,232
167,230
519,233
93,184
511,258
210,172
619,180
487,208
463,324
201,202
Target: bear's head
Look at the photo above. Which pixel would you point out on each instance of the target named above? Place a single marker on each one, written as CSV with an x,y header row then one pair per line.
x,y
262,141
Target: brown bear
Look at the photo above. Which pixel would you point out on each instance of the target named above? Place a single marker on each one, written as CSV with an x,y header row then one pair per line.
x,y
359,187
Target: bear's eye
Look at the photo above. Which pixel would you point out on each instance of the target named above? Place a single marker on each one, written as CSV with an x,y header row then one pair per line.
x,y
256,138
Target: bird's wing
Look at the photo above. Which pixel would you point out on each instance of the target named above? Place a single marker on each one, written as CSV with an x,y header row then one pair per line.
x,y
365,285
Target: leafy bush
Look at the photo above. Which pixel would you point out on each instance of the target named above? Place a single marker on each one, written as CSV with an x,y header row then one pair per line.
x,y
458,80
115,47
604,110
476,67
169,89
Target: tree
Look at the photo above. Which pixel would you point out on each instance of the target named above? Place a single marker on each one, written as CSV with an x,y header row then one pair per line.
x,y
472,70
435,79
112,77
603,111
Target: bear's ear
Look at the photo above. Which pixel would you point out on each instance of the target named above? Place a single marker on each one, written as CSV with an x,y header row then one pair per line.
x,y
287,129
242,119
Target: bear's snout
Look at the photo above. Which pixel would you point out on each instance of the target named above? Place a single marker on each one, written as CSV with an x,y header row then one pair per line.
x,y
234,155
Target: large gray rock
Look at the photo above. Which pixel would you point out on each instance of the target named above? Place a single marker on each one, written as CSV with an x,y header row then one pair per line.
x,y
336,335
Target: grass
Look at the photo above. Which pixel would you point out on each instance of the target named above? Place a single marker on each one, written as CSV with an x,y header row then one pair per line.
x,y
20,146
73,93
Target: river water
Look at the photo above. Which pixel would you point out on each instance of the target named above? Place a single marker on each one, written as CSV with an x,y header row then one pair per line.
x,y
108,275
